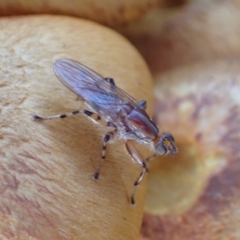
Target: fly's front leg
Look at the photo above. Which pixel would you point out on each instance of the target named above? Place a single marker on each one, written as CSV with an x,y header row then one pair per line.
x,y
109,136
136,156
138,159
90,114
138,181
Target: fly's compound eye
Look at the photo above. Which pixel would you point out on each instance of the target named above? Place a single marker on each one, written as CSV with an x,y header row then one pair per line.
x,y
166,145
161,149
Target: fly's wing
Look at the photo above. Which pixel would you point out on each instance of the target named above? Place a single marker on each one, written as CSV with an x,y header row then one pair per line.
x,y
106,99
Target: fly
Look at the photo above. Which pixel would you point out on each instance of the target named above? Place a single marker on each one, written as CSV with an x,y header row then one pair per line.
x,y
123,114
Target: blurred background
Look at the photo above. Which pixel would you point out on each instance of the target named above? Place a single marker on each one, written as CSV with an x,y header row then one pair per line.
x,y
192,48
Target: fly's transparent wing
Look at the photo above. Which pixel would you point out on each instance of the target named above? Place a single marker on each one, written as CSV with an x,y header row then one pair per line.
x,y
106,99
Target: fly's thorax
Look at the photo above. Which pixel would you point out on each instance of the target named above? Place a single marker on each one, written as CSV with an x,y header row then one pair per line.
x,y
139,122
127,108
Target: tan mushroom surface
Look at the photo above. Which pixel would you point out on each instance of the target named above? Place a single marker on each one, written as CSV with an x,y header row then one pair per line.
x,y
46,168
196,194
194,32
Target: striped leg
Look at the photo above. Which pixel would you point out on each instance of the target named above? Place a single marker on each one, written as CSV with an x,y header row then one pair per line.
x,y
138,181
136,156
140,178
90,114
109,136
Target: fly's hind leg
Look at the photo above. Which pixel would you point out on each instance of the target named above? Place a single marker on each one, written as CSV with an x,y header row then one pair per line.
x,y
90,114
111,81
139,160
109,136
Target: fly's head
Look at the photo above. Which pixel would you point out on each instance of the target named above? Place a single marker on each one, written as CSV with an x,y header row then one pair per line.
x,y
165,144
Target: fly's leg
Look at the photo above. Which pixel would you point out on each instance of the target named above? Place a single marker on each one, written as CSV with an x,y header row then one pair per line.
x,y
90,114
139,160
111,81
140,178
109,136
142,104
136,156
138,181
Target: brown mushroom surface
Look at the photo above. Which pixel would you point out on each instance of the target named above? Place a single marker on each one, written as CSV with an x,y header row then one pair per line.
x,y
111,13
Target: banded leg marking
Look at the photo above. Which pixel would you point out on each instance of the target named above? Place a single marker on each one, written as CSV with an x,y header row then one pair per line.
x,y
90,114
136,156
109,136
138,181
